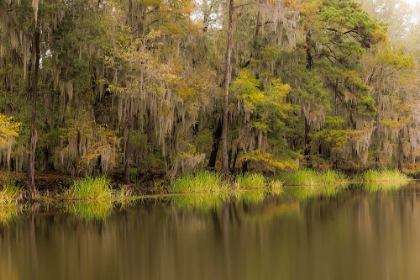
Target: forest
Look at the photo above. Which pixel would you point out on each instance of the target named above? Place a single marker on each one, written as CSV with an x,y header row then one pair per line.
x,y
136,87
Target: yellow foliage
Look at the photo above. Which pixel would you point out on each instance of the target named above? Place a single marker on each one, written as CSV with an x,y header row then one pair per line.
x,y
8,130
269,162
392,123
88,141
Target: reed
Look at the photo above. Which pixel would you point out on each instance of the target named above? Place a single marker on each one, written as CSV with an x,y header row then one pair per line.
x,y
90,188
251,181
384,175
202,182
9,193
309,177
8,214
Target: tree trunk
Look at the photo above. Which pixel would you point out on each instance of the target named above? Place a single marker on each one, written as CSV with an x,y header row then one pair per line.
x,y
400,151
309,59
309,65
216,140
306,139
127,159
225,154
34,90
127,152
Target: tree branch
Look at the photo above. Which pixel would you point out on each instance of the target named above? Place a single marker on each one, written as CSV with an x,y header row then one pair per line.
x,y
246,4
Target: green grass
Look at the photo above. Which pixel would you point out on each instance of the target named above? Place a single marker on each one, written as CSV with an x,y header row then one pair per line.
x,y
202,182
8,201
251,181
383,180
90,188
384,175
9,193
8,214
309,177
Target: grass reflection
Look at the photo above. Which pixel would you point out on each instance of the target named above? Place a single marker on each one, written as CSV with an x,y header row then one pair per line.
x,y
254,196
8,214
90,210
200,202
302,193
384,186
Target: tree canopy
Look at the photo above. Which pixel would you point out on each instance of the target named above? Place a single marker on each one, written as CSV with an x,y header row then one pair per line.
x,y
133,86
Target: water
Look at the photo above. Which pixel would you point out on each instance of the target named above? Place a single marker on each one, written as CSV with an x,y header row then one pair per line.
x,y
351,235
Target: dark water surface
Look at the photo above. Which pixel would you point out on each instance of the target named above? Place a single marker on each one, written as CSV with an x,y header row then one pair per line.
x,y
352,235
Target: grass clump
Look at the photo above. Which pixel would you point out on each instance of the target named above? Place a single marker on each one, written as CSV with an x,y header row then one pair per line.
x,y
202,182
9,193
309,177
90,188
384,175
383,180
250,181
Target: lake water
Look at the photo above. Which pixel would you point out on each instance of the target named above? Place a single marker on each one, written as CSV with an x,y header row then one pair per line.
x,y
349,235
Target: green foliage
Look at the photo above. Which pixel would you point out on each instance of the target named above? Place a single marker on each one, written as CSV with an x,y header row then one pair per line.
x,y
149,71
368,105
332,134
90,188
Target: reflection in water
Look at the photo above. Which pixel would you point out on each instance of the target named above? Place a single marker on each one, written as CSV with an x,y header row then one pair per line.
x,y
90,210
384,186
8,214
197,202
353,235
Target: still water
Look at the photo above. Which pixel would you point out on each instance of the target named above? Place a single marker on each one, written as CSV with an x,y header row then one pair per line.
x,y
349,235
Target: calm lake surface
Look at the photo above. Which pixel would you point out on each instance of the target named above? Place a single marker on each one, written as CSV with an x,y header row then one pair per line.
x,y
349,235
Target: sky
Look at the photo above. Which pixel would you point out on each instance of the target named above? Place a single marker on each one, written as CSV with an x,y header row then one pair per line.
x,y
413,1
